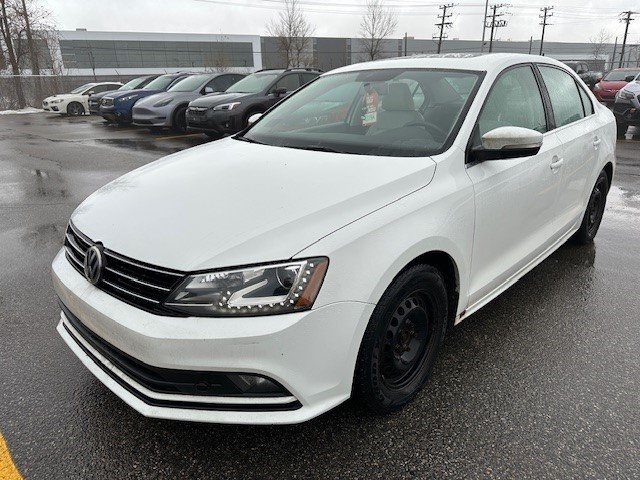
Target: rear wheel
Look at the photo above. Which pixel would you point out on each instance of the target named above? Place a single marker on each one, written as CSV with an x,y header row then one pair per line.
x,y
401,342
179,123
75,109
595,210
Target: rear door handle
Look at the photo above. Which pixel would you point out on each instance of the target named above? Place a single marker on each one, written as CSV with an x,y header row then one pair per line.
x,y
556,163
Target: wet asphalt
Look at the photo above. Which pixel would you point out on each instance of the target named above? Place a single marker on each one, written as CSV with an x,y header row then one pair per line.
x,y
544,382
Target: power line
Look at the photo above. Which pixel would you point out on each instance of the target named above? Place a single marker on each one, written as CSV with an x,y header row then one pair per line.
x,y
546,14
444,23
496,22
626,19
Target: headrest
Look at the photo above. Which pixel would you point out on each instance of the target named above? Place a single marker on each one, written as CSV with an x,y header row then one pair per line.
x,y
398,99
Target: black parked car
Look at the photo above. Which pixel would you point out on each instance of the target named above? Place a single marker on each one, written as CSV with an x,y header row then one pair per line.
x,y
229,112
588,76
94,100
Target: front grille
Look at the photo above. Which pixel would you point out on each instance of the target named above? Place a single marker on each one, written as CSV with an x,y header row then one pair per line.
x,y
197,110
107,102
139,284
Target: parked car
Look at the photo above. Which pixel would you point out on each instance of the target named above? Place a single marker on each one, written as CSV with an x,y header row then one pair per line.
x,y
95,99
588,76
168,109
76,101
269,276
627,106
606,90
229,112
118,106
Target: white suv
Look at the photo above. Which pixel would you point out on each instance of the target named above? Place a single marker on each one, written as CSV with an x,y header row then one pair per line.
x,y
76,102
325,251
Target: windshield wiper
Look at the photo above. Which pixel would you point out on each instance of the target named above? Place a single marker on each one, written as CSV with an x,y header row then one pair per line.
x,y
316,148
248,140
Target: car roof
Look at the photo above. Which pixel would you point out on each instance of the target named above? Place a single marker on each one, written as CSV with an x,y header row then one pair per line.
x,y
454,61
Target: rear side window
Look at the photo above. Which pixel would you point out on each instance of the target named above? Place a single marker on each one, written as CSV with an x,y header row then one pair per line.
x,y
565,97
586,101
514,101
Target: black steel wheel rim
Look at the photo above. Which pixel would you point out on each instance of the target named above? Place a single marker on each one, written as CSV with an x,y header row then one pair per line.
x,y
595,208
407,341
75,110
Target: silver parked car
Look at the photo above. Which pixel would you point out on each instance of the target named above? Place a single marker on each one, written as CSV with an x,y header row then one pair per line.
x,y
167,109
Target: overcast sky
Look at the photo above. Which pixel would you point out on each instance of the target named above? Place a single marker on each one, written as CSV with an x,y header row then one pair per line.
x,y
573,20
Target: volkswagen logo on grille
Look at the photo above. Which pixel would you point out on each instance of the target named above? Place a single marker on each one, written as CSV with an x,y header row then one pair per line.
x,y
93,264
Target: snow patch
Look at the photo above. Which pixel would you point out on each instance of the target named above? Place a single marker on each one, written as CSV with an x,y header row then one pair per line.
x,y
24,110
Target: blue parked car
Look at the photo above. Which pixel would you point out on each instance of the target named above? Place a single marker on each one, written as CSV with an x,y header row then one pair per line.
x,y
117,106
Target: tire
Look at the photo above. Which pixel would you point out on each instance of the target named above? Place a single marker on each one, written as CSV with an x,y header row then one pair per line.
x,y
594,211
402,340
179,122
621,129
75,109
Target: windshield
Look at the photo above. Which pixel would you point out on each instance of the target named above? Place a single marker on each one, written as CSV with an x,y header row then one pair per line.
x,y
160,83
81,88
392,112
619,75
132,84
253,83
189,84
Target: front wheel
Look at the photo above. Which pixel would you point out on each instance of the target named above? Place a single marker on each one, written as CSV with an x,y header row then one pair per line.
x,y
402,339
595,210
179,123
75,109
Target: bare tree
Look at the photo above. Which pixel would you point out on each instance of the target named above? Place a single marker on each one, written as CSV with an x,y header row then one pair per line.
x,y
599,43
377,24
9,31
293,33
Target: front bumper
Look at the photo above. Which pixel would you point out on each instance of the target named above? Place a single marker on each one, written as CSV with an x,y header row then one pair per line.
x,y
626,112
311,354
146,117
112,114
213,122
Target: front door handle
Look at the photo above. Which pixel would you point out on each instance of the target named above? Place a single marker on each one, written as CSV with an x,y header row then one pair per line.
x,y
596,142
556,163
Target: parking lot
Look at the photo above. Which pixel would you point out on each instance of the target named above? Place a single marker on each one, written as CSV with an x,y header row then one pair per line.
x,y
541,383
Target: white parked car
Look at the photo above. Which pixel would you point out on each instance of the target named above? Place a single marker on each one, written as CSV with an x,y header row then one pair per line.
x,y
76,102
270,276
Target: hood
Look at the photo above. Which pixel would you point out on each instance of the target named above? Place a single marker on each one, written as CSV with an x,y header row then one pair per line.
x,y
612,85
632,87
126,93
234,203
64,95
173,96
214,99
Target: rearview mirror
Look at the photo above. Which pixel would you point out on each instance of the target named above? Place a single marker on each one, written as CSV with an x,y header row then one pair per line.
x,y
508,142
254,118
629,78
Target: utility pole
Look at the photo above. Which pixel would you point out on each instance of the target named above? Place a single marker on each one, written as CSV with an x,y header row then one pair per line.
x,y
530,43
626,19
444,23
495,23
405,44
613,57
546,13
484,23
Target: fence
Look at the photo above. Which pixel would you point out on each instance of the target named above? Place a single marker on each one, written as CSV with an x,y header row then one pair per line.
x,y
38,87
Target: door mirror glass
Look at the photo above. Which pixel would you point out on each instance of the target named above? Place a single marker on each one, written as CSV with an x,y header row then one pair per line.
x,y
254,118
509,142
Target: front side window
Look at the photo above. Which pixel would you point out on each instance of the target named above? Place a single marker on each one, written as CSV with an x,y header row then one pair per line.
x,y
514,101
563,92
386,112
289,83
82,88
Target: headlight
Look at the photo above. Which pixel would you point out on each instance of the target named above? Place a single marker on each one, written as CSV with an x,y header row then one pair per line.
x,y
164,103
226,106
258,290
127,98
56,101
625,95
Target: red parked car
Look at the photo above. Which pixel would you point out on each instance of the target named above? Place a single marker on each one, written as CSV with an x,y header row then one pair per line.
x,y
605,90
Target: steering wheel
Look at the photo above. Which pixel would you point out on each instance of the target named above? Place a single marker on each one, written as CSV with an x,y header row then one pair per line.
x,y
428,126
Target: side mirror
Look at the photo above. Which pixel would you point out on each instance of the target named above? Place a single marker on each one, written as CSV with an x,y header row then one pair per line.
x,y
207,90
629,78
90,92
508,142
280,91
254,118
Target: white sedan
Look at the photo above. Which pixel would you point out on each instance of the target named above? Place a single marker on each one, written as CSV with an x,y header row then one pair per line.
x,y
76,102
318,255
